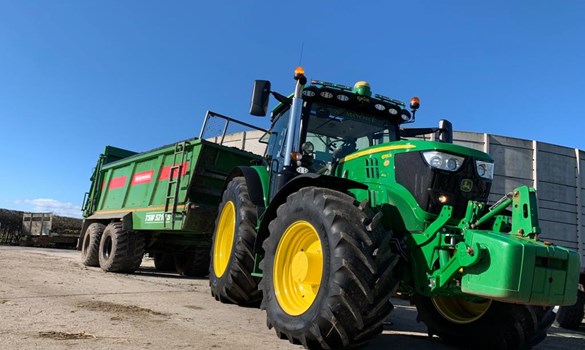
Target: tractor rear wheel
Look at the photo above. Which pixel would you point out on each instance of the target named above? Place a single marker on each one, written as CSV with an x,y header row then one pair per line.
x,y
91,244
324,284
232,258
571,316
485,324
193,264
120,250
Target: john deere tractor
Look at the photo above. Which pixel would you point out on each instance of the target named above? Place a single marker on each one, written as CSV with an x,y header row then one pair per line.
x,y
348,207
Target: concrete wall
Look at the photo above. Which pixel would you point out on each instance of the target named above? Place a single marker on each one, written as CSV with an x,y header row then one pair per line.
x,y
555,172
246,140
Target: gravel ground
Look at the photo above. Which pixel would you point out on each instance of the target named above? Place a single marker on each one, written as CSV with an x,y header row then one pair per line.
x,y
49,300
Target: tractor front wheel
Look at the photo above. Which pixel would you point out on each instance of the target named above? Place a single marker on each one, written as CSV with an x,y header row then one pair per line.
x,y
322,283
483,324
571,316
232,258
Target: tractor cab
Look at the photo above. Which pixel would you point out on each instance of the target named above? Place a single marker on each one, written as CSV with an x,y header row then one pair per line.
x,y
332,122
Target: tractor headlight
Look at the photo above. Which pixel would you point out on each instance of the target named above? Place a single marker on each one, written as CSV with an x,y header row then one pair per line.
x,y
443,161
485,169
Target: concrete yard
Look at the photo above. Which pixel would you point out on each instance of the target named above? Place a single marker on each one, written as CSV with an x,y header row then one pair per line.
x,y
49,300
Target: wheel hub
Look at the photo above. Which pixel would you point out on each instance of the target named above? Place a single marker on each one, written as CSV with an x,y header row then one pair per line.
x,y
301,271
459,310
224,238
298,268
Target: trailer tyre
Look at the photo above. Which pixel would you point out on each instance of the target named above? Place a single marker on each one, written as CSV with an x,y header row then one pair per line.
x,y
325,285
164,262
571,316
91,244
193,264
484,324
232,257
120,250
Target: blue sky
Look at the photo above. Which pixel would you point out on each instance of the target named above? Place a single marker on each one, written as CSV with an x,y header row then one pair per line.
x,y
78,75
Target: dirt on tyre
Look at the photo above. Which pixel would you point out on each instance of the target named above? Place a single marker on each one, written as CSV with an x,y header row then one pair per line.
x,y
571,317
232,258
91,244
120,250
193,264
483,324
324,286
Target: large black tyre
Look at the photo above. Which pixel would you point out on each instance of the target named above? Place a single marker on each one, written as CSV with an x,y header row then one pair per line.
x,y
164,262
120,250
483,325
232,258
193,264
326,284
91,244
571,316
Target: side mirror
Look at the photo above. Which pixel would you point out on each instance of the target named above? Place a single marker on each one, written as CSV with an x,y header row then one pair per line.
x,y
445,131
260,97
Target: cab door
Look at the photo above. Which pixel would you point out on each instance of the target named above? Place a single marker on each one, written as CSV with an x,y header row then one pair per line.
x,y
275,151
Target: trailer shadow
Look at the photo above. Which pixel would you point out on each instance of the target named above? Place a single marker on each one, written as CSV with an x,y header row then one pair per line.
x,y
150,271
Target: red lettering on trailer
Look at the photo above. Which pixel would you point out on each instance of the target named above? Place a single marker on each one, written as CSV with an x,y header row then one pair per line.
x,y
142,178
117,182
166,171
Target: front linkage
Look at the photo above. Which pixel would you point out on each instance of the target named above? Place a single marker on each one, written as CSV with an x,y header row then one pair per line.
x,y
494,254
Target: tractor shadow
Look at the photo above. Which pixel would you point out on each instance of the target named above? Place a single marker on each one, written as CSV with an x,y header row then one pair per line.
x,y
560,339
402,331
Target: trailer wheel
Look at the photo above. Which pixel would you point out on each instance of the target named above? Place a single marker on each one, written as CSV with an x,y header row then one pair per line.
x,y
571,316
91,244
325,284
120,251
194,264
232,258
164,262
483,324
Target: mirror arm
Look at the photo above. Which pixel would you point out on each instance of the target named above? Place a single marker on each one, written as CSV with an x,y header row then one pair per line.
x,y
281,98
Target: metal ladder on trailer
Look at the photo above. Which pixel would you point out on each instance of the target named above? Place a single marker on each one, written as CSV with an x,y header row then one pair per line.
x,y
175,172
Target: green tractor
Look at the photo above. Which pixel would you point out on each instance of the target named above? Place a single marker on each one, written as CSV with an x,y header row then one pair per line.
x,y
348,208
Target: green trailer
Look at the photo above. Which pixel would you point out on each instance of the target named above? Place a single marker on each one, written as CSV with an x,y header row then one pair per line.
x,y
162,202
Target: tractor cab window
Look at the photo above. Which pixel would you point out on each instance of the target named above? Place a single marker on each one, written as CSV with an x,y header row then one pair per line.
x,y
336,132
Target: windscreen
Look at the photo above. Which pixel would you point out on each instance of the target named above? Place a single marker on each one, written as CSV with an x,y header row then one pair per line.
x,y
336,132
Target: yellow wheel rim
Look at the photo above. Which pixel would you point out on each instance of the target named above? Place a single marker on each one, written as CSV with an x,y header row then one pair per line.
x,y
224,238
298,268
459,310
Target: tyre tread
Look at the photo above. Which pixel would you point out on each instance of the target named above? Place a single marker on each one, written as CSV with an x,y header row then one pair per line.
x,y
352,313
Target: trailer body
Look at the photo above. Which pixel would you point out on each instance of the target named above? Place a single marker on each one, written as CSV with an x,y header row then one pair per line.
x,y
168,195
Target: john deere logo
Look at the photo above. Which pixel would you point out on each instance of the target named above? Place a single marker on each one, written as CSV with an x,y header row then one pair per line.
x,y
466,185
